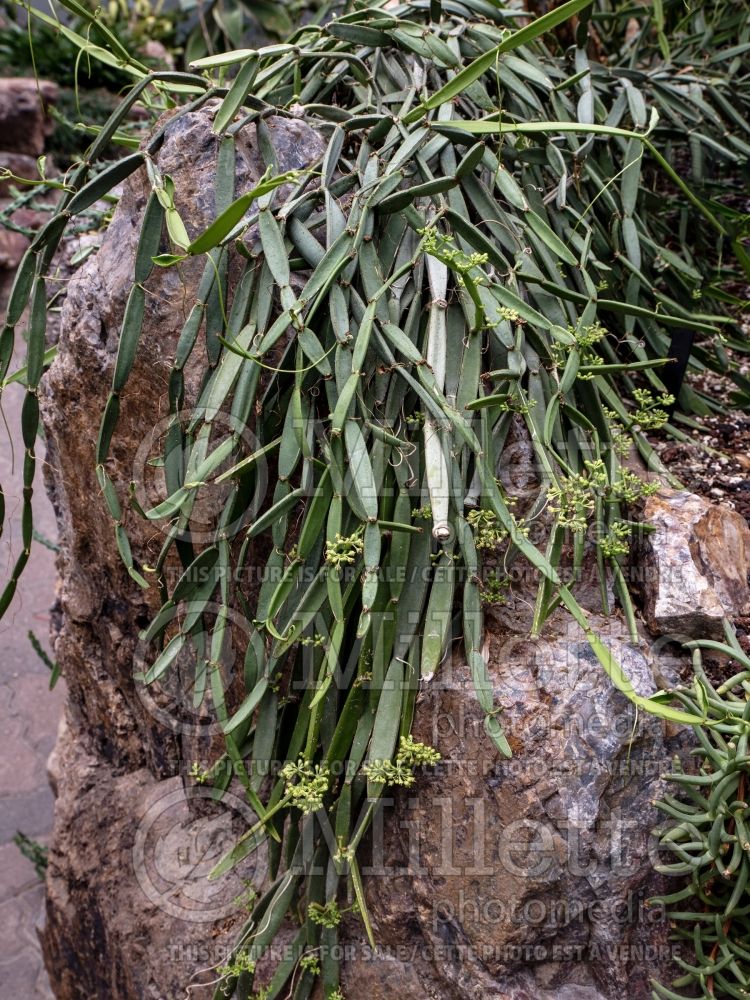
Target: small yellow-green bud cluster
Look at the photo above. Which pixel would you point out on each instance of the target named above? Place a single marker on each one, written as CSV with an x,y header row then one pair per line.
x,y
239,964
306,784
326,916
488,532
615,543
344,550
649,414
411,754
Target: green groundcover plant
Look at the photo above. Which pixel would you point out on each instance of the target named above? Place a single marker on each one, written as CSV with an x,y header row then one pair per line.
x,y
512,218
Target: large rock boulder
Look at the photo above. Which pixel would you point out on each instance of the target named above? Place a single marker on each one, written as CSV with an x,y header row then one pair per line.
x,y
123,745
519,880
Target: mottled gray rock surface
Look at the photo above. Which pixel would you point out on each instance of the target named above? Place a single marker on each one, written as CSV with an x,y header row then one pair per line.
x,y
695,565
130,910
526,878
103,608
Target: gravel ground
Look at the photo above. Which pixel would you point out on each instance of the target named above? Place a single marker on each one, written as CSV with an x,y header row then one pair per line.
x,y
722,474
716,460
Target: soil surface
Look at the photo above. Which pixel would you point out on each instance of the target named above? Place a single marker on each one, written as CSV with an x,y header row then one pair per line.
x,y
715,462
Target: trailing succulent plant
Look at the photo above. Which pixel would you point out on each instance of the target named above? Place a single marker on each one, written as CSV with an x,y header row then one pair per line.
x,y
499,232
707,831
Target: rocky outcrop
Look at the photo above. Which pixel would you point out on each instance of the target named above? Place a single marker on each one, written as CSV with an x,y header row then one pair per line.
x,y
123,745
694,566
511,880
104,610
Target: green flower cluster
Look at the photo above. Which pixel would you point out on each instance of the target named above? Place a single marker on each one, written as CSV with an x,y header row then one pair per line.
x,y
417,754
650,416
616,543
344,550
310,963
488,532
239,964
585,337
630,488
573,499
199,774
410,754
306,784
517,401
317,640
443,247
622,442
325,916
507,314
494,589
